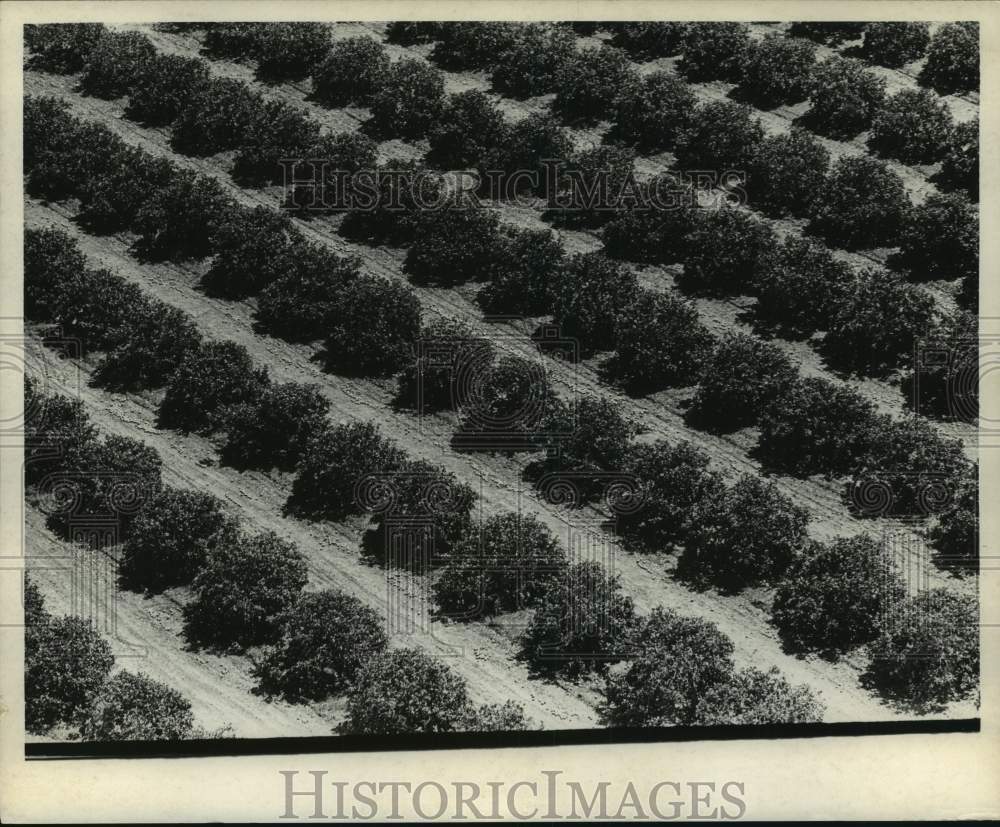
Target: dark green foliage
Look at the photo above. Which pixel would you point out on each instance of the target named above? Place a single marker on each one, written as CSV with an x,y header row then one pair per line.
x,y
893,44
581,626
373,331
159,92
453,245
333,465
114,63
65,665
786,171
844,97
470,125
940,239
351,73
929,654
406,33
956,534
217,118
831,34
725,252
837,597
960,166
62,47
410,101
655,230
278,131
531,62
275,429
913,126
402,190
953,58
714,51
589,83
326,637
209,381
651,113
750,536
505,565
647,41
661,343
524,159
134,707
290,51
243,591
777,69
523,267
722,136
462,46
679,660
862,204
751,696
676,485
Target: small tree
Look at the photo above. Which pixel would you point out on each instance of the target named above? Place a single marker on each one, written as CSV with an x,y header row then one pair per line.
x,y
159,93
589,83
462,46
830,34
470,125
960,167
843,97
171,538
326,638
661,343
652,113
836,597
655,230
777,69
505,565
217,118
352,72
723,136
523,160
785,173
334,463
862,204
410,100
531,62
647,41
524,265
725,251
134,707
956,533
58,434
403,190
110,202
62,47
275,429
505,717
233,40
929,656
591,185
953,58
242,592
913,126
714,51
894,44
582,626
940,239
65,665
752,696
114,63
374,329
453,245
211,379
290,51
750,536
680,659
278,132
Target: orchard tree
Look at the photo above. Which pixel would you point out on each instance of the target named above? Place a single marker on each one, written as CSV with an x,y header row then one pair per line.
x,y
233,40
472,45
945,377
410,101
531,62
661,343
34,604
243,591
326,638
408,33
829,34
290,51
470,125
278,132
591,185
582,625
353,70
453,245
913,126
956,534
523,159
837,596
114,63
895,44
648,41
505,717
655,229
722,136
171,537
844,97
216,118
714,51
134,707
679,660
589,83
403,190
940,239
862,204
752,696
777,69
159,93
52,258
110,202
652,112
785,173
58,434
725,252
953,58
62,47
524,265
960,167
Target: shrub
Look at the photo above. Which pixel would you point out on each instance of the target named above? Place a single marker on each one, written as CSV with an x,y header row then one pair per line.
x,y
960,167
278,131
652,113
326,638
750,536
275,429
913,126
953,58
410,100
470,125
49,131
233,40
862,204
217,118
843,97
722,136
213,378
725,252
58,434
817,427
661,343
351,73
407,33
449,356
785,173
453,245
831,34
675,485
523,160
290,51
777,69
714,51
581,626
242,592
114,63
940,239
162,90
373,332
929,655
956,534
655,230
588,295
893,44
752,696
171,537
531,62
589,83
62,47
34,604
66,154
591,185
462,46
333,464
336,163
679,660
876,323
52,258
403,191
505,717
524,265
837,596
134,707
505,565
647,41
110,202
65,665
